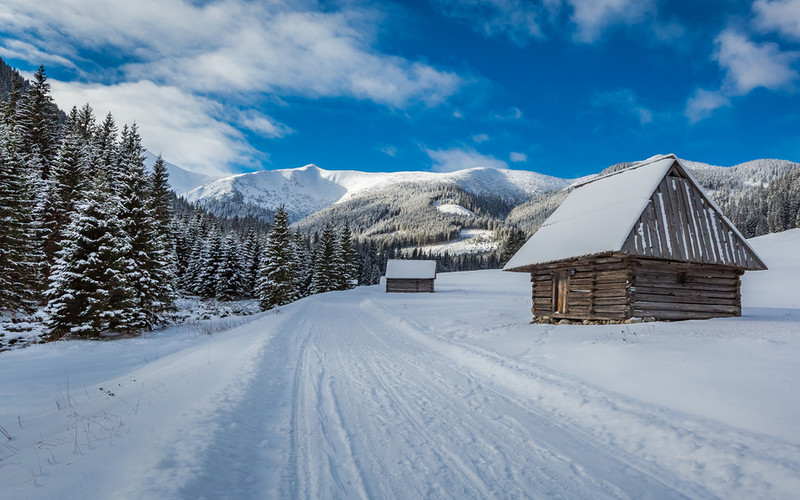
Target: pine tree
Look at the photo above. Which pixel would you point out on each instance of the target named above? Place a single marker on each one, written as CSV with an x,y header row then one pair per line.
x,y
37,123
277,284
230,274
304,265
251,262
131,186
348,273
67,184
17,272
325,262
105,150
163,256
206,280
514,241
90,292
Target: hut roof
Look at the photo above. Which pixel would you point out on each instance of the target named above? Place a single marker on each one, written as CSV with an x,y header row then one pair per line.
x,y
600,216
411,269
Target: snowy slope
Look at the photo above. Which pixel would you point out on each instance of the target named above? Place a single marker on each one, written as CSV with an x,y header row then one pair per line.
x,y
308,189
363,394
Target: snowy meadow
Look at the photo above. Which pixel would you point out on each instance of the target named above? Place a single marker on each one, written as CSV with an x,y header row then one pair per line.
x,y
363,394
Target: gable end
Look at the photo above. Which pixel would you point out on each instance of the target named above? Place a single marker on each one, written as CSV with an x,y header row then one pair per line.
x,y
681,223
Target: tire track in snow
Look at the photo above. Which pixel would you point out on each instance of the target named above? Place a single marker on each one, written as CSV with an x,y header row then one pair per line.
x,y
494,417
248,441
701,457
420,427
314,461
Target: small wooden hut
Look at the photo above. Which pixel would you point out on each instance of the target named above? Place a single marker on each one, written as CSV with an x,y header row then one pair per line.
x,y
410,275
642,242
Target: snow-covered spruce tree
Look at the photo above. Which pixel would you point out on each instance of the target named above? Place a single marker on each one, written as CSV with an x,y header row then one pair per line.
x,y
304,265
131,186
105,149
512,244
326,260
164,258
277,282
90,291
67,185
230,274
205,283
251,262
17,239
348,274
37,123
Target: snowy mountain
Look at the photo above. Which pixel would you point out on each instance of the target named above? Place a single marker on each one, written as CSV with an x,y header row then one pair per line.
x,y
309,189
428,209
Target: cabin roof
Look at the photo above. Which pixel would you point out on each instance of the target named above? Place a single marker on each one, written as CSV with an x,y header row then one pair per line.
x,y
599,215
411,269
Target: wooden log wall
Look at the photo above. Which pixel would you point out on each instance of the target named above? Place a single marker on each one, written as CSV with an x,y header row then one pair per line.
x,y
598,288
409,285
678,290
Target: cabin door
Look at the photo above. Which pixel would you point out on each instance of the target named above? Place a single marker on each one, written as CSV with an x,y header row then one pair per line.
x,y
560,282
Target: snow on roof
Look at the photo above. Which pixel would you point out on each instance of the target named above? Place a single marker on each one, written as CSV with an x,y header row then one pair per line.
x,y
411,269
596,217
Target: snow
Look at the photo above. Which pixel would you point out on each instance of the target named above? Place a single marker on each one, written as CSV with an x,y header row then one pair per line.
x,y
468,241
362,394
451,208
410,269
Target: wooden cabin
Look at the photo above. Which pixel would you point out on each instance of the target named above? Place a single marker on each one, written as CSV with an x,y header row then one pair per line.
x,y
643,242
410,275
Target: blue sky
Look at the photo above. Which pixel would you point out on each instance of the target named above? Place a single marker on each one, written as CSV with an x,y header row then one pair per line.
x,y
562,87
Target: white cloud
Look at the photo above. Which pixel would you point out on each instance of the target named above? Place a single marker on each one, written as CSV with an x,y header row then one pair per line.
x,y
232,51
512,113
450,160
625,101
702,103
782,16
749,65
479,138
17,49
518,157
592,17
518,20
234,45
521,20
185,128
389,151
264,125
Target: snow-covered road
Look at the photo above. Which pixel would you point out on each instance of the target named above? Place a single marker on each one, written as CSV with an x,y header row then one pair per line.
x,y
363,394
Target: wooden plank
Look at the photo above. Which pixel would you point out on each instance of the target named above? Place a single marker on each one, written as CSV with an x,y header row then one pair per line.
x,y
681,315
677,218
653,287
698,203
687,299
686,291
658,224
610,292
671,306
688,215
